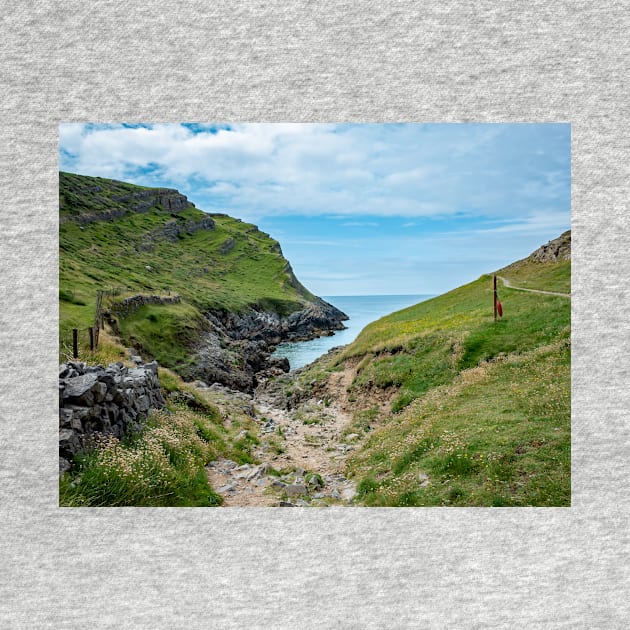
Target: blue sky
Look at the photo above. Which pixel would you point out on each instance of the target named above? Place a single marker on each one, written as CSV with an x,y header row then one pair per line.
x,y
359,209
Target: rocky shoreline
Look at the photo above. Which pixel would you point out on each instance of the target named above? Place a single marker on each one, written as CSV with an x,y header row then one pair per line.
x,y
235,348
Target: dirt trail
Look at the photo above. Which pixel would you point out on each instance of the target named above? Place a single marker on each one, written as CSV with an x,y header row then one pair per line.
x,y
507,283
302,450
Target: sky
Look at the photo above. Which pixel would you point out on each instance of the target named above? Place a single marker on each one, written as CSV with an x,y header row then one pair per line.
x,y
359,209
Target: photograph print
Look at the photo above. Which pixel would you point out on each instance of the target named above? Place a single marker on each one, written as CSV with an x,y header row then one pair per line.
x,y
314,315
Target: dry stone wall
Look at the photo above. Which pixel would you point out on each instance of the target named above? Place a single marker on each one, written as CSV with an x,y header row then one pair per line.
x,y
98,400
131,304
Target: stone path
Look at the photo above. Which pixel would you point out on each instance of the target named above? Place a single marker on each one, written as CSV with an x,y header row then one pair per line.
x,y
302,453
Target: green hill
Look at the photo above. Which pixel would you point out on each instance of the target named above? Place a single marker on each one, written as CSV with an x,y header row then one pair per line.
x,y
231,278
480,410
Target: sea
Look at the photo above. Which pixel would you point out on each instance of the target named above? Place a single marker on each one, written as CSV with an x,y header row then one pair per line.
x,y
362,309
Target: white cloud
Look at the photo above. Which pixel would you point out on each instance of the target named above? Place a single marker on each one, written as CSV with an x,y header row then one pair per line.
x,y
415,175
325,169
542,222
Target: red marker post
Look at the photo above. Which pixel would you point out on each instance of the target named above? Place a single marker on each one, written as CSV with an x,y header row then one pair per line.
x,y
497,304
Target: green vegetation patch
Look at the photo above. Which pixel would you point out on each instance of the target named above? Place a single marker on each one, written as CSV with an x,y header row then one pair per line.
x,y
164,331
498,435
428,344
106,242
482,415
163,465
550,276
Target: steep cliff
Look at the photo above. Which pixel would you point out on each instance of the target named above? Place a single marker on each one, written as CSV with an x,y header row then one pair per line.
x,y
237,294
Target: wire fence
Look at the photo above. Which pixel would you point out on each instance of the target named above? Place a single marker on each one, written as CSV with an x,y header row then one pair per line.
x,y
102,296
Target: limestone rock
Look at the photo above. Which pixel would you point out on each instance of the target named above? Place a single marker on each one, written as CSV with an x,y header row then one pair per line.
x,y
295,490
79,385
112,400
557,249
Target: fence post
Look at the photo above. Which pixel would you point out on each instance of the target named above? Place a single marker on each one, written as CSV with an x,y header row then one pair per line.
x,y
91,330
494,277
75,343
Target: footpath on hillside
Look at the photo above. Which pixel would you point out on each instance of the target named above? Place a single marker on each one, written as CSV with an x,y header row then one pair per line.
x,y
509,285
303,447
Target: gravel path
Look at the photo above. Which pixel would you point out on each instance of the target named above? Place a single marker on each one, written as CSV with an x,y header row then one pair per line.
x,y
507,283
302,453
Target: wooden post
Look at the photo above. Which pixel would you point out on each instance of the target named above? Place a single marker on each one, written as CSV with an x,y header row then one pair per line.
x,y
91,329
75,343
494,279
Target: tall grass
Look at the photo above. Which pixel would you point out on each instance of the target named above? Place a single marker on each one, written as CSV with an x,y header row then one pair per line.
x,y
163,465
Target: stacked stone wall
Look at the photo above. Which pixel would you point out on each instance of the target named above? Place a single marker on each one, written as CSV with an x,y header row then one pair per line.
x,y
131,304
103,400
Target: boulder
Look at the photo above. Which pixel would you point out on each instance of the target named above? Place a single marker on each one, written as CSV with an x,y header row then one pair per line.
x,y
99,390
77,386
69,443
295,490
65,418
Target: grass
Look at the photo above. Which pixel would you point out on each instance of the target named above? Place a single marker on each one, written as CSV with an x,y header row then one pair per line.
x,y
164,463
165,332
427,345
128,252
161,466
481,411
499,435
543,276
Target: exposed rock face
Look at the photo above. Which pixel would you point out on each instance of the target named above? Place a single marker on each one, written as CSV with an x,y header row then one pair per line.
x,y
140,201
172,230
314,320
94,399
227,246
558,249
236,348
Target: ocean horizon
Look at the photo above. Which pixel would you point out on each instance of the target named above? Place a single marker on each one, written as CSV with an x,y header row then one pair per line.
x,y
361,309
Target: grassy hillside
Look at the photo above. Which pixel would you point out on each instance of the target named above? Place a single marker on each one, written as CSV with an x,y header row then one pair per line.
x,y
114,234
481,409
541,276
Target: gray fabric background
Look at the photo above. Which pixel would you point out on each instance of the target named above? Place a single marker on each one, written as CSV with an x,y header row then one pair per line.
x,y
326,61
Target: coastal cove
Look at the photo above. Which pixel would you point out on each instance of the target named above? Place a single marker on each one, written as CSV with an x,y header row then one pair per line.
x,y
361,309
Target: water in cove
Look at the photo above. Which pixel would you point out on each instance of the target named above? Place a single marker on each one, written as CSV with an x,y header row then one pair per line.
x,y
362,309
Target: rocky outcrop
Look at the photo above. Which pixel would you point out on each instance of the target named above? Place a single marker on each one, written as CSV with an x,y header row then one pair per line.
x,y
139,201
105,215
227,246
235,349
555,250
98,400
172,230
314,320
